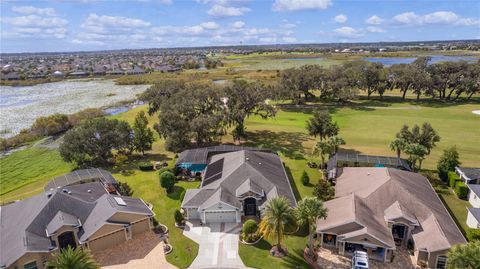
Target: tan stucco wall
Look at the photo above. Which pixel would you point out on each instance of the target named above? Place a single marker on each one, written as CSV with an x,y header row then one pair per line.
x,y
40,258
107,241
140,227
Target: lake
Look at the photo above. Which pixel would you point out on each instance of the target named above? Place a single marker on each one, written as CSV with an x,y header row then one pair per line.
x,y
20,106
387,61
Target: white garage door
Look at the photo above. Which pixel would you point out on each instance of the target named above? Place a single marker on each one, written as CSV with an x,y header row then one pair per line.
x,y
220,216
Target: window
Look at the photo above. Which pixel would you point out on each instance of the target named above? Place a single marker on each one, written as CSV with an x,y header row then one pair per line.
x,y
441,262
30,265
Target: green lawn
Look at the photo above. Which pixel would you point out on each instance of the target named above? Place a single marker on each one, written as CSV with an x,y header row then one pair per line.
x,y
24,173
258,256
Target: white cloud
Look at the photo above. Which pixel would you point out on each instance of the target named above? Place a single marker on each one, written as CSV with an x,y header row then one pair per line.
x,y
34,10
349,32
94,20
438,17
35,21
225,11
341,18
374,29
238,24
268,39
407,18
374,20
294,5
210,25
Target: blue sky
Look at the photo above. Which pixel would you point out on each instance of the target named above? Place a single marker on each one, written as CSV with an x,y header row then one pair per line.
x,y
72,25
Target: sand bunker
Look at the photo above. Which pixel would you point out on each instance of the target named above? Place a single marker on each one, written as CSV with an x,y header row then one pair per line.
x,y
476,112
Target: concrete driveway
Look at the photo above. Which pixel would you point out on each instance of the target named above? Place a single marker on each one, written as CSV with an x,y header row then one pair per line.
x,y
218,245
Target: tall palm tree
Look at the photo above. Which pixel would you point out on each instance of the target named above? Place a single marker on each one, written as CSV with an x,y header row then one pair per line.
x,y
464,256
70,258
308,210
321,148
398,145
278,217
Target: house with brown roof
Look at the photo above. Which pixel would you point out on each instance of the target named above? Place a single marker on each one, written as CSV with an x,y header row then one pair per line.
x,y
379,210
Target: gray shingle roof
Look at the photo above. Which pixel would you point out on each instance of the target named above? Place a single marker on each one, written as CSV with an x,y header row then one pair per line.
x,y
240,172
475,212
475,188
24,224
471,173
202,155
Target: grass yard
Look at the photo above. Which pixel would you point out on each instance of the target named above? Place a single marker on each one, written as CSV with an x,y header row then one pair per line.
x,y
258,256
25,172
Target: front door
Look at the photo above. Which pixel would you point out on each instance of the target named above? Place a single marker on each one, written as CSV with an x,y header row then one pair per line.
x,y
250,205
67,239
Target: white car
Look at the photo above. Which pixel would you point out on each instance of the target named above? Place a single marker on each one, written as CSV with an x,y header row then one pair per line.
x,y
360,260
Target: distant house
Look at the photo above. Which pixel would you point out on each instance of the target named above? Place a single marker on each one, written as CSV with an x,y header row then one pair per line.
x,y
237,184
136,71
10,76
167,68
469,175
78,74
377,210
99,72
37,75
58,74
82,215
116,72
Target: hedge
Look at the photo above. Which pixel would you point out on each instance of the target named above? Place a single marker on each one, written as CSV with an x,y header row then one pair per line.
x,y
473,234
452,179
461,190
145,166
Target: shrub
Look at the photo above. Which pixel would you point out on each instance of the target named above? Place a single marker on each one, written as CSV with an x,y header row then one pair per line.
x,y
182,195
305,179
124,189
51,125
250,226
473,234
145,166
452,179
165,169
324,190
167,181
178,216
461,190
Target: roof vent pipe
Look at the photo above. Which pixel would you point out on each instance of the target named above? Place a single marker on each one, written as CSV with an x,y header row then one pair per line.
x,y
246,159
89,191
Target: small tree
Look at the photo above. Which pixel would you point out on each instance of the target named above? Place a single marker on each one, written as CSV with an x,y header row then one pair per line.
x,y
305,179
70,258
398,145
335,142
322,125
464,256
416,153
447,162
178,217
167,181
321,149
143,136
324,190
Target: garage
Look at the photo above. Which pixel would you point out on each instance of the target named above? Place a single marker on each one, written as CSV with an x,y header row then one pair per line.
x,y
220,216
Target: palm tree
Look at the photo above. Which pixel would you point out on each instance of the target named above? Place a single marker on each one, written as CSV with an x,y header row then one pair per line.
x,y
321,148
464,256
310,209
335,142
278,218
398,145
71,258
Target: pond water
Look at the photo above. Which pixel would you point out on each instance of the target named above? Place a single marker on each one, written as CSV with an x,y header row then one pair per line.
x,y
20,106
387,61
305,59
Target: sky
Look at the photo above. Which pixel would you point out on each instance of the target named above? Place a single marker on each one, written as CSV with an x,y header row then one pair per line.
x,y
86,25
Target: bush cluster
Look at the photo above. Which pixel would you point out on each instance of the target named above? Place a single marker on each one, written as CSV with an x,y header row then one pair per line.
x,y
452,179
145,166
461,190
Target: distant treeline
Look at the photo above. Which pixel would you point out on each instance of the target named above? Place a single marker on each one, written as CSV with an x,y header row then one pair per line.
x,y
444,80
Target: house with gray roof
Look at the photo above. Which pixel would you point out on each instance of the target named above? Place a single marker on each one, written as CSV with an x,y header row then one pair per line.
x,y
236,184
80,215
379,209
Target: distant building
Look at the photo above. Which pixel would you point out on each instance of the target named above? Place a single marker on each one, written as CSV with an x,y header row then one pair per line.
x,y
136,71
58,74
116,72
10,76
78,74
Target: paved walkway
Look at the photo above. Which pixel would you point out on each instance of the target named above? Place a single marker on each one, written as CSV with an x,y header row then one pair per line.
x,y
218,245
143,251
